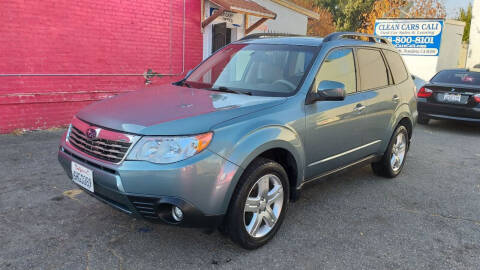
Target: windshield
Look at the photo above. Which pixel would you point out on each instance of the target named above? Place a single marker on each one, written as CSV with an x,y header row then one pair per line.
x,y
457,77
259,69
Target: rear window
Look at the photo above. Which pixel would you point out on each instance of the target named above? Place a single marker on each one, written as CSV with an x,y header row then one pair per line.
x,y
373,72
397,67
457,77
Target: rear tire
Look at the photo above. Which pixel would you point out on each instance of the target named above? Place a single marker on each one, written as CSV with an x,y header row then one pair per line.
x,y
259,204
394,158
423,120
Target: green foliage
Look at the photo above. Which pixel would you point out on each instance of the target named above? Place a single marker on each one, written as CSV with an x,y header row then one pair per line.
x,y
347,14
466,16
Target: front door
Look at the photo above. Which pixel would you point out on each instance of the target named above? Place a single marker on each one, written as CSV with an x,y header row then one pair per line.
x,y
334,128
221,36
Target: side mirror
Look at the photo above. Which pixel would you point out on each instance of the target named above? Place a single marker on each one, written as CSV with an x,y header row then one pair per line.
x,y
328,91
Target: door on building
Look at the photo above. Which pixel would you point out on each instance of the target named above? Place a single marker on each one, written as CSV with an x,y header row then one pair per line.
x,y
221,36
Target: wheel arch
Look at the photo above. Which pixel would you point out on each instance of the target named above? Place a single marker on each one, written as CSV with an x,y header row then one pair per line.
x,y
278,143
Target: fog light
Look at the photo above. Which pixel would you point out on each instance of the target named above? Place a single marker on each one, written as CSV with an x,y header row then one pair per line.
x,y
177,213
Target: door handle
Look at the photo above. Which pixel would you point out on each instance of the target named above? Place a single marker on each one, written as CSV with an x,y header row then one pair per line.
x,y
396,99
359,108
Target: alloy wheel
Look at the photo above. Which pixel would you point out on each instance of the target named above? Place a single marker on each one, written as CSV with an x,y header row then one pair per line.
x,y
399,150
263,206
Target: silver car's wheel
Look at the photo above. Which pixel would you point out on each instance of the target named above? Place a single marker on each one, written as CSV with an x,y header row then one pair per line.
x,y
259,203
394,157
263,205
399,150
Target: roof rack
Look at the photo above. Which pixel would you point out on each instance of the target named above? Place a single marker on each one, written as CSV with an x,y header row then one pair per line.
x,y
267,35
357,36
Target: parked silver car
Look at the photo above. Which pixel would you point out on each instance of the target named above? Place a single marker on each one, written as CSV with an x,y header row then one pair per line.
x,y
233,143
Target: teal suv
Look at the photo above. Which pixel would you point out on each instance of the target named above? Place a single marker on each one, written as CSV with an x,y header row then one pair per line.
x,y
231,144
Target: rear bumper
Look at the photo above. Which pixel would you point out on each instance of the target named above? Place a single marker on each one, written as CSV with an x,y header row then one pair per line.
x,y
448,111
199,187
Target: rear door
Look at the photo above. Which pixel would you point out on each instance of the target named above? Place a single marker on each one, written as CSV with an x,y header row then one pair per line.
x,y
381,97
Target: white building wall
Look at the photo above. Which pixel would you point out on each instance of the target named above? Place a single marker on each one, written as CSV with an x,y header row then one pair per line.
x,y
450,45
473,56
423,67
287,21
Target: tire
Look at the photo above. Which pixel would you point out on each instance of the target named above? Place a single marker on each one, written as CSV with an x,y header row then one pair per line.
x,y
240,218
387,167
423,120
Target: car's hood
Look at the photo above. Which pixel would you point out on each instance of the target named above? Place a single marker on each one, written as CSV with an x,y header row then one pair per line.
x,y
171,110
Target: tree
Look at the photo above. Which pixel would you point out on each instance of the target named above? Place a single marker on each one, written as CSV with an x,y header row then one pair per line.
x,y
466,16
381,9
427,9
401,9
321,27
347,14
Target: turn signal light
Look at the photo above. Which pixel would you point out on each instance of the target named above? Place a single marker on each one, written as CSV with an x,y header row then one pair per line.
x,y
477,98
424,92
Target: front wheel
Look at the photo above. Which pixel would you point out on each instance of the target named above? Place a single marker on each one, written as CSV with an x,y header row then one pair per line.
x,y
259,204
394,158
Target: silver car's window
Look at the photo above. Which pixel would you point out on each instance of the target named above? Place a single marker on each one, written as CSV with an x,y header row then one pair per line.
x,y
397,67
261,69
373,72
338,66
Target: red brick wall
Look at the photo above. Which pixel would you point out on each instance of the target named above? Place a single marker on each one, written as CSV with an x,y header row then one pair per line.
x,y
86,37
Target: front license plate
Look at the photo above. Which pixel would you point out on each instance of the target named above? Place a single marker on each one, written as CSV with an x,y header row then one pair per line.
x,y
82,176
452,98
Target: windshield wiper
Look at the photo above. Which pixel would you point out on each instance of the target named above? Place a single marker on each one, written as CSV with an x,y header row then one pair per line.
x,y
228,90
183,82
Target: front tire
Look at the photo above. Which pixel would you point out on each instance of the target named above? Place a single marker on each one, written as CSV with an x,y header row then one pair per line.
x,y
259,204
394,158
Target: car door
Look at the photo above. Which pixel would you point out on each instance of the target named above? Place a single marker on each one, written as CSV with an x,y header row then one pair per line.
x,y
334,131
381,97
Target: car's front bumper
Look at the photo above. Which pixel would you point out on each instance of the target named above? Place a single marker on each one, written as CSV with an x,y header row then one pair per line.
x,y
200,186
448,111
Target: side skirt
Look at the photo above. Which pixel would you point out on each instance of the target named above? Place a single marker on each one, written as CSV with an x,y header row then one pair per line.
x,y
359,163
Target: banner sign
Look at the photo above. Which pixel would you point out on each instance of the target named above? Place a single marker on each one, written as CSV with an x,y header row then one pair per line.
x,y
232,19
413,36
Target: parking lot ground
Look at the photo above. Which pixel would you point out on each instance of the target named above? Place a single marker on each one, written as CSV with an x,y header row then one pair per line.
x,y
427,218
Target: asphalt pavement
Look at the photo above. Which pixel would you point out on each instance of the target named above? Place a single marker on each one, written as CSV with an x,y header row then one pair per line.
x,y
427,218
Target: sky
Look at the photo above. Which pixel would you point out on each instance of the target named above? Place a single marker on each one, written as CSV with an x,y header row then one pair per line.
x,y
453,6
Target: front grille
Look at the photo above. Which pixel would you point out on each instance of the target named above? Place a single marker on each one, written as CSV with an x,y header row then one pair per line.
x,y
112,151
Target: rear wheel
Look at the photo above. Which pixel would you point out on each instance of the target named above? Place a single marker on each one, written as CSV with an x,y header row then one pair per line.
x,y
259,204
394,158
423,120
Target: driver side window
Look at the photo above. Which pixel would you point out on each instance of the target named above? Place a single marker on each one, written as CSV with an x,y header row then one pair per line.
x,y
338,66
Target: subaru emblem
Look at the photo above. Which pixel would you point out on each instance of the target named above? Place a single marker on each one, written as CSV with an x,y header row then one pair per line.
x,y
453,90
91,133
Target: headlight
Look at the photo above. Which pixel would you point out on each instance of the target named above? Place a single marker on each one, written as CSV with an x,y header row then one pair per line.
x,y
169,149
68,132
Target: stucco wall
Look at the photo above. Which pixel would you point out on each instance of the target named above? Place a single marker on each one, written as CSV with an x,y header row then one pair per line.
x,y
451,45
84,37
473,56
287,21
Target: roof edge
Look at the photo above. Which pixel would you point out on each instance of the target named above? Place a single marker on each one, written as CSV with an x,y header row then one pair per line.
x,y
297,8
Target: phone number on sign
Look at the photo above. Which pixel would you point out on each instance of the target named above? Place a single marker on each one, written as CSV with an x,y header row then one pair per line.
x,y
410,40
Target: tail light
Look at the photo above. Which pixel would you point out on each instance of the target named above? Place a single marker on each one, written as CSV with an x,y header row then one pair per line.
x,y
424,92
477,98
